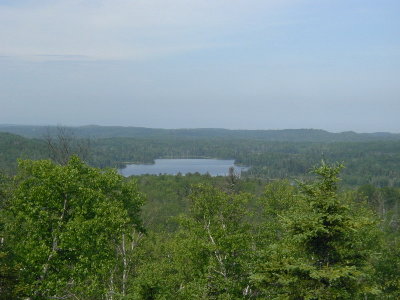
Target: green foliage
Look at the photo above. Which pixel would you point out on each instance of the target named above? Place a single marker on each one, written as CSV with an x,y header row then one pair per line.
x,y
168,196
208,257
13,147
370,159
75,232
71,219
217,219
386,202
374,163
388,268
326,247
8,278
277,198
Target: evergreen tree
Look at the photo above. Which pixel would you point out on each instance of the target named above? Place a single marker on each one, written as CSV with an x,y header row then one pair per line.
x,y
326,249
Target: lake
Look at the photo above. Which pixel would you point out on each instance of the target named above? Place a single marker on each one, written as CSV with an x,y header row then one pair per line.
x,y
214,167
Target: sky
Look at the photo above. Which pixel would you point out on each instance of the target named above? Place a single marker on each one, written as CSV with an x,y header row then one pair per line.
x,y
238,64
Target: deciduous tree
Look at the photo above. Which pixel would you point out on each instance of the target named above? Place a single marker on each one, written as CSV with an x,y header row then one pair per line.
x,y
67,225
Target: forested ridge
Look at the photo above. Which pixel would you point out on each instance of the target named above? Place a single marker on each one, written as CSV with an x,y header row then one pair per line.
x,y
299,225
374,162
288,135
13,147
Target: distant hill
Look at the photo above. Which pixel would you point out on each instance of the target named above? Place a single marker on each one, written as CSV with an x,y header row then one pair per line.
x,y
286,135
13,147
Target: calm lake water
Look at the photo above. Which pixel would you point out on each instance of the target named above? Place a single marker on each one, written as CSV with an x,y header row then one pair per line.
x,y
215,167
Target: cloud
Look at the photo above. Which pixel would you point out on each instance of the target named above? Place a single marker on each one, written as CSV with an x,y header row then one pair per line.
x,y
125,29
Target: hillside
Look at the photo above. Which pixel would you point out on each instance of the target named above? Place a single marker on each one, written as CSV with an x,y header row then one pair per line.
x,y
13,147
285,135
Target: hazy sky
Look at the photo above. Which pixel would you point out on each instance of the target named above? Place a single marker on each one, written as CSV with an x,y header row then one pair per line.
x,y
255,64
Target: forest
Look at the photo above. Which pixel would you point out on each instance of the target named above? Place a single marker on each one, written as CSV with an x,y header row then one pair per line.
x,y
287,154
316,216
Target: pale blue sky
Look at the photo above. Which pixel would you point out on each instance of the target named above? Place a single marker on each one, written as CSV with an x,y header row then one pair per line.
x,y
254,64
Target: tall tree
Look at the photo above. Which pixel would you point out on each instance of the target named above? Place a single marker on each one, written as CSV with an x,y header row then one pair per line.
x,y
62,144
208,256
327,245
67,225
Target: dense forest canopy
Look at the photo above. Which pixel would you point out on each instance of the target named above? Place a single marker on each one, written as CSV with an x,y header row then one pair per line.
x,y
198,237
297,225
375,161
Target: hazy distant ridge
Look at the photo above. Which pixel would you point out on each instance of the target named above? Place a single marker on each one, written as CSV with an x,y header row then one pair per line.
x,y
290,135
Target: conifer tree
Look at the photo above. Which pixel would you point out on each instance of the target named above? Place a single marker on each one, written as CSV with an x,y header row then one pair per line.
x,y
327,247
